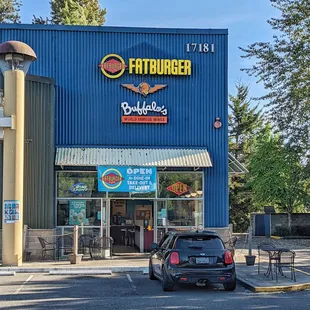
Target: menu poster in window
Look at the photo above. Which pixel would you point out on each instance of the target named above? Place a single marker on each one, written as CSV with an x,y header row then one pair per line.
x,y
11,211
77,214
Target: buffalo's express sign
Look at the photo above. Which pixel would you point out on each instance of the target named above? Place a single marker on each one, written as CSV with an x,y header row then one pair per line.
x,y
113,66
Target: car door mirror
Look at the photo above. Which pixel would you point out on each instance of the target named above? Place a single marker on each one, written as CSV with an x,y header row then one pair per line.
x,y
154,246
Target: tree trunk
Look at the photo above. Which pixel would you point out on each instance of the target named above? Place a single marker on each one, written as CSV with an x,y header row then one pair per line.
x,y
289,222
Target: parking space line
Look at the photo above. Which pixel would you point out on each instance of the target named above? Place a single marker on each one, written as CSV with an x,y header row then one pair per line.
x,y
130,280
19,289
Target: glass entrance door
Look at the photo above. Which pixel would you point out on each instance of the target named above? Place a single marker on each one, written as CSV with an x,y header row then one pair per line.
x,y
105,217
160,219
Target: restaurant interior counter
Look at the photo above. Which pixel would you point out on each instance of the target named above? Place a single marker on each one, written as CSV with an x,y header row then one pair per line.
x,y
120,235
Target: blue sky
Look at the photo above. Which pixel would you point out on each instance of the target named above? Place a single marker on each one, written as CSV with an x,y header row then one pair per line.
x,y
245,20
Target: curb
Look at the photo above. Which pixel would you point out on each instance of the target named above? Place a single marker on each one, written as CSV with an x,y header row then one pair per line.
x,y
80,272
272,289
7,273
72,270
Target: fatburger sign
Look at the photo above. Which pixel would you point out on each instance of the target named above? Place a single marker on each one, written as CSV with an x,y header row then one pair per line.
x,y
113,66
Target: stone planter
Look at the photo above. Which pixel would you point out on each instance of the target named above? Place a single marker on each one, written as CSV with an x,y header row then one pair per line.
x,y
250,260
75,259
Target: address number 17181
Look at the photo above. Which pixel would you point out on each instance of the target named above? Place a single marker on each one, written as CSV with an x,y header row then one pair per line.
x,y
200,47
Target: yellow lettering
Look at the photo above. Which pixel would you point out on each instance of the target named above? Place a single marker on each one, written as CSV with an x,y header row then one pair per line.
x,y
146,67
180,67
152,66
160,66
139,69
131,65
167,67
174,67
187,67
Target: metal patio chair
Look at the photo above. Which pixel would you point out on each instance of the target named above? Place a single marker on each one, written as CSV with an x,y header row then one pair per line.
x,y
286,260
231,245
99,245
47,247
64,245
84,243
262,253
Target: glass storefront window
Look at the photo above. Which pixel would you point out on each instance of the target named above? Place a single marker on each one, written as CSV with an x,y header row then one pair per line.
x,y
77,184
78,212
184,213
180,185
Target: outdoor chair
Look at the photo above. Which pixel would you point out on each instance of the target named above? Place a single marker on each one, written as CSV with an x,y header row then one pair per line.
x,y
47,247
286,260
263,254
64,245
84,243
99,245
231,245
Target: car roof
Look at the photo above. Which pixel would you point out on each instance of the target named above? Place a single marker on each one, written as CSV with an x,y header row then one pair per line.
x,y
194,233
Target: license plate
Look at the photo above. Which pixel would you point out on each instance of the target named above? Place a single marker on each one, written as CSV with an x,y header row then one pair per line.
x,y
202,260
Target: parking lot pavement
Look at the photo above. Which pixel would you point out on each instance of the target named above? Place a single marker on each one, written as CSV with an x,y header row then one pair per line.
x,y
130,291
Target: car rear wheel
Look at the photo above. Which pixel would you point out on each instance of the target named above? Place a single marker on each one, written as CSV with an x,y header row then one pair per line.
x,y
151,271
230,286
166,284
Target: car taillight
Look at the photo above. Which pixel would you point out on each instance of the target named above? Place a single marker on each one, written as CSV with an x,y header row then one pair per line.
x,y
228,259
174,258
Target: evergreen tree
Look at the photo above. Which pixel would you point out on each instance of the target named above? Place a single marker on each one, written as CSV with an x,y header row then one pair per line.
x,y
278,176
9,11
283,67
244,124
75,12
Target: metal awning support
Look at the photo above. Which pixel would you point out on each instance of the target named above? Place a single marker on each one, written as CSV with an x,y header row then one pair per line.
x,y
235,167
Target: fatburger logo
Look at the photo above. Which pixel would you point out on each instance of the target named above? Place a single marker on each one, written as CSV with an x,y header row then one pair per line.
x,y
113,66
111,178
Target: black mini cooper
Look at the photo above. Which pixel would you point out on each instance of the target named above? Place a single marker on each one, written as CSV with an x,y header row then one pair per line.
x,y
192,257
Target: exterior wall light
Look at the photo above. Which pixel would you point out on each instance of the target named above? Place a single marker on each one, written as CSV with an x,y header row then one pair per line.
x,y
217,123
15,55
15,59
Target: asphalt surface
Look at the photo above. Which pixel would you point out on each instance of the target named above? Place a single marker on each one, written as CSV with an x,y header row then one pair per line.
x,y
131,291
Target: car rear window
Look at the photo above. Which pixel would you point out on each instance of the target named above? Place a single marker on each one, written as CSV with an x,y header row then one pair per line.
x,y
199,242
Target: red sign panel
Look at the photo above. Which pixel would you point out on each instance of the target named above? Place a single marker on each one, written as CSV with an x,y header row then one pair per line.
x,y
178,188
145,119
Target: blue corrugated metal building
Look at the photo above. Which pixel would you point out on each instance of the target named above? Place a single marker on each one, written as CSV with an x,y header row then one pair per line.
x,y
102,76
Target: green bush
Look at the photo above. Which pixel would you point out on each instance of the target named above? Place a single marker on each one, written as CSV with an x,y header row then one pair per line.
x,y
301,230
282,231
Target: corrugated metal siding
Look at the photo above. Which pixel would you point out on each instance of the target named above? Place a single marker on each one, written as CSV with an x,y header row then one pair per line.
x,y
1,164
39,153
1,180
88,109
132,157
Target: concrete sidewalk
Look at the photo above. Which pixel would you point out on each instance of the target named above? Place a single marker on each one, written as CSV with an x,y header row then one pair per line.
x,y
249,277
86,266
